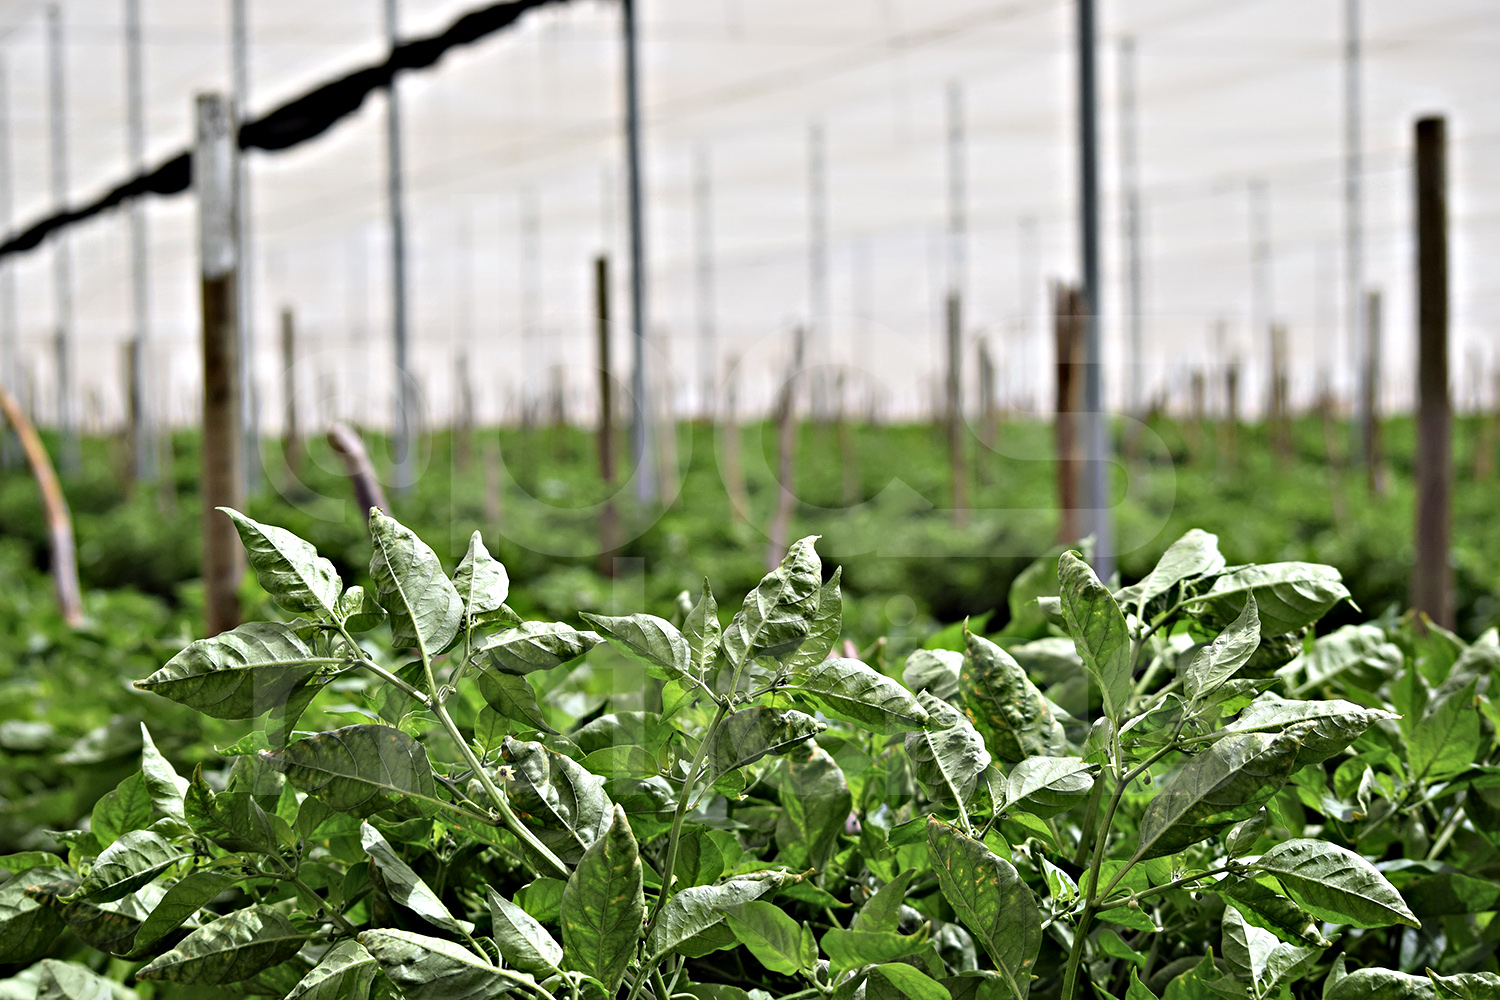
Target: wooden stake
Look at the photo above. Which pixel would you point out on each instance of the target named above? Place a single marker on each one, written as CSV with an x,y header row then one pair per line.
x,y
59,521
1432,577
1280,416
1068,330
348,445
291,434
223,480
786,446
734,472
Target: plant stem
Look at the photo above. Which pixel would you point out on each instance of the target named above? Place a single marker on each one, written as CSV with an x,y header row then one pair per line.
x,y
1101,839
1136,897
681,812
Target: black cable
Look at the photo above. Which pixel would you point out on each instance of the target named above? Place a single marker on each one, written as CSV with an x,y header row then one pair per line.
x,y
296,121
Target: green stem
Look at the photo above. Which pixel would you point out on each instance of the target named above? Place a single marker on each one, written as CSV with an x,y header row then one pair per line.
x,y
1091,898
1136,897
681,813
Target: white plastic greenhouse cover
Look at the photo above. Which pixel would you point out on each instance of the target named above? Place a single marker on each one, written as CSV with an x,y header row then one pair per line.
x,y
513,149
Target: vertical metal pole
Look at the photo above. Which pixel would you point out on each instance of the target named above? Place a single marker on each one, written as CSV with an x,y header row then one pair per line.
x,y
1028,248
143,425
244,306
1432,576
703,239
1261,305
1354,249
62,263
1095,444
404,418
641,444
817,259
10,371
1130,187
957,262
215,177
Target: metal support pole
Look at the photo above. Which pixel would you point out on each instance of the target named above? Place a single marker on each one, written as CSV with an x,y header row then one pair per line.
x,y
403,430
1130,187
703,239
62,262
215,178
641,444
249,391
817,262
957,263
1261,304
1432,574
1354,236
10,360
142,430
1096,498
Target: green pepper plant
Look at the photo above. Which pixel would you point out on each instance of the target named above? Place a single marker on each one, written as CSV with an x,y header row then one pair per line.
x,y
1139,792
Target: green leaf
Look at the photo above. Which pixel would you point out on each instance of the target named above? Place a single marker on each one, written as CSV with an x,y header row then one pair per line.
x,y
404,885
774,938
533,646
359,610
699,860
228,950
603,906
1335,723
1342,650
236,674
359,769
1224,784
696,909
1222,658
1265,907
1097,626
648,640
746,736
288,568
1466,985
934,671
882,911
1335,884
346,972
556,797
1194,555
1002,703
1288,596
123,808
542,898
827,625
1046,786
186,897
848,690
1381,984
481,580
522,940
513,697
991,900
410,584
815,804
28,929
137,858
166,786
429,968
1114,946
71,981
233,820
703,632
1259,956
22,860
911,982
1445,741
948,757
777,616
849,949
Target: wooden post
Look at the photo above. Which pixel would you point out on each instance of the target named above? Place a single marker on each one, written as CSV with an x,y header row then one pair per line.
x,y
786,448
223,483
1432,577
463,429
609,517
1068,328
1230,440
55,505
1198,391
1280,416
955,411
1371,437
734,473
348,445
291,434
989,410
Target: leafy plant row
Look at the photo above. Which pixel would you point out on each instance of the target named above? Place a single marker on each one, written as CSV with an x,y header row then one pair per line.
x,y
1161,798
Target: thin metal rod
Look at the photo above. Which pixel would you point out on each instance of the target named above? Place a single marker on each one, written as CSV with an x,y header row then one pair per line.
x,y
10,371
404,403
143,431
957,260
62,262
249,391
1261,301
1130,187
1096,498
703,298
641,445
818,346
1354,250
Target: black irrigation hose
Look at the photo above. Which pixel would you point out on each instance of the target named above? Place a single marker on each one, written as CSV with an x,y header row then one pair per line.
x,y
297,121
